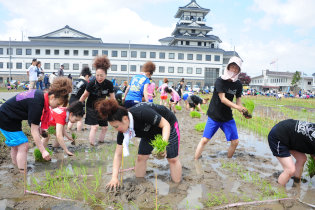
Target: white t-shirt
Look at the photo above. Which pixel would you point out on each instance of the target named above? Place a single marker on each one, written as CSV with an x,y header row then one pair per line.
x,y
32,73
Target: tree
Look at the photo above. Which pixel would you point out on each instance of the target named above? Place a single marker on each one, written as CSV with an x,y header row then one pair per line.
x,y
295,80
244,78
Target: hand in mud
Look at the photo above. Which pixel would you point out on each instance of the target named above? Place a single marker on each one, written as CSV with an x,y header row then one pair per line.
x,y
69,153
46,155
113,184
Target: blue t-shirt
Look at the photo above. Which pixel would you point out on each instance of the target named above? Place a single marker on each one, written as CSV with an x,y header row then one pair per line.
x,y
136,87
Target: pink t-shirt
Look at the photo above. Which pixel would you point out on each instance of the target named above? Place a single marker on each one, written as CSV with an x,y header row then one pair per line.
x,y
161,88
174,95
151,88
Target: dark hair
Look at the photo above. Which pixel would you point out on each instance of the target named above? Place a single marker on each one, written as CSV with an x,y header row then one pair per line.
x,y
165,80
86,71
167,89
61,87
101,62
109,109
34,60
76,108
149,67
38,62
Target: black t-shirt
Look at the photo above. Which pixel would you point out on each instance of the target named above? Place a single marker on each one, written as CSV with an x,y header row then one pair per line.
x,y
217,110
297,135
24,106
79,88
98,91
178,89
196,99
147,117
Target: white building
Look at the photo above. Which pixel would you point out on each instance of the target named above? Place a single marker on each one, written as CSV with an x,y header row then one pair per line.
x,y
189,53
275,80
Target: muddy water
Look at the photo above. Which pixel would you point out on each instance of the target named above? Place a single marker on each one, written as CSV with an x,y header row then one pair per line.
x,y
201,178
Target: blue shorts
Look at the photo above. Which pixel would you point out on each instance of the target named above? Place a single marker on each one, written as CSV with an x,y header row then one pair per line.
x,y
14,138
151,100
229,129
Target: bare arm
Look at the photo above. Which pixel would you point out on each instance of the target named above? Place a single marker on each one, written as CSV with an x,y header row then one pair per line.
x,y
38,142
166,128
229,103
84,96
126,92
116,165
145,92
112,96
59,137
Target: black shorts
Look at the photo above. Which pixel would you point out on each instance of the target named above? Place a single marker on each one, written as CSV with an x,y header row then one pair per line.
x,y
171,100
92,118
172,148
192,105
278,149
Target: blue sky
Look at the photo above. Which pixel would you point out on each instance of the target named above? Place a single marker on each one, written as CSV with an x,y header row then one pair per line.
x,y
260,30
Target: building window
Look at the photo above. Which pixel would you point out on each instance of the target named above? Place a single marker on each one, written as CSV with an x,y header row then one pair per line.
x,y
198,71
208,57
9,65
85,65
180,69
123,67
114,53
75,66
190,56
56,52
161,69
1,65
66,66
212,45
56,66
105,52
27,65
162,55
143,55
171,56
113,67
123,54
75,52
47,52
9,52
94,52
199,43
180,56
152,54
181,42
309,83
18,51
67,52
18,65
1,51
133,68
205,44
46,66
217,58
170,69
189,70
28,52
133,54
199,57
37,52
187,43
85,52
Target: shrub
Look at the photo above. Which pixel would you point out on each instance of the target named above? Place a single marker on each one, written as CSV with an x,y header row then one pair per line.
x,y
200,126
195,114
158,144
310,166
38,155
177,107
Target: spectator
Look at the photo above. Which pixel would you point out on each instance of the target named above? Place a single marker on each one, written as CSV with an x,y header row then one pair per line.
x,y
60,71
32,74
52,77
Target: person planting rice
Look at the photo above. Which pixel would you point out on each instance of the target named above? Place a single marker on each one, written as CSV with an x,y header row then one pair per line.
x,y
174,99
98,88
296,138
193,101
220,112
144,120
60,116
30,106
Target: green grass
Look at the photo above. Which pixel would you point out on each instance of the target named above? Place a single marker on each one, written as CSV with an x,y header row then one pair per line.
x,y
177,107
2,138
38,155
159,144
200,126
310,166
195,114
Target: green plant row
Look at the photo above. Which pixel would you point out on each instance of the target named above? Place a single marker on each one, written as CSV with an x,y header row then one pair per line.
x,y
195,114
200,126
177,107
310,166
38,155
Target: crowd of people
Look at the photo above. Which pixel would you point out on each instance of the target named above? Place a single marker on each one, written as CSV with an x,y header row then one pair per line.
x,y
132,112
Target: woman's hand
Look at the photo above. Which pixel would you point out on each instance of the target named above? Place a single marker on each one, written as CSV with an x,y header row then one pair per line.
x,y
113,184
69,153
46,155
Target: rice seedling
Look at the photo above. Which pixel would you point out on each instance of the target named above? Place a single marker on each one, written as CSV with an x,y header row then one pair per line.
x,y
310,166
51,130
249,105
38,155
195,114
74,137
159,145
177,107
216,199
200,126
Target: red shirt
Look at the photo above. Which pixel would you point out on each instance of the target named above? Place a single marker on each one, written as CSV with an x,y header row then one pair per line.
x,y
58,115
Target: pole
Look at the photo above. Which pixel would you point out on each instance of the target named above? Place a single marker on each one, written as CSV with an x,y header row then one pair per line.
x,y
10,53
128,60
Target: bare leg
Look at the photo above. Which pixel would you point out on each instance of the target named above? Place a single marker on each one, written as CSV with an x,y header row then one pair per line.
x,y
80,125
232,148
103,133
289,169
92,134
299,164
176,169
70,124
141,165
200,147
14,151
21,156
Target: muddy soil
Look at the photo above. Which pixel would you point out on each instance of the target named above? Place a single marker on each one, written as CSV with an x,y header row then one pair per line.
x,y
206,183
